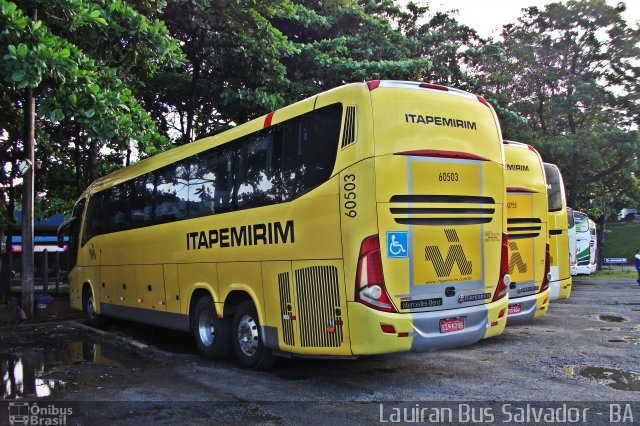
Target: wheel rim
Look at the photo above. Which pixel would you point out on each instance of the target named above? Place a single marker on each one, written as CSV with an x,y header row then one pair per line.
x,y
205,328
248,335
91,312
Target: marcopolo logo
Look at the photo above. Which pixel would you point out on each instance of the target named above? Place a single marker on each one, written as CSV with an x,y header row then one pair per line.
x,y
455,256
515,260
27,413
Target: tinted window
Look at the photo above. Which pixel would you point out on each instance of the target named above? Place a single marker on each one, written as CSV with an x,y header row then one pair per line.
x,y
256,171
172,192
267,167
554,187
309,149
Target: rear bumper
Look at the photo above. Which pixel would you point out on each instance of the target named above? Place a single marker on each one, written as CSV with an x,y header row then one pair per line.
x,y
533,306
420,332
560,289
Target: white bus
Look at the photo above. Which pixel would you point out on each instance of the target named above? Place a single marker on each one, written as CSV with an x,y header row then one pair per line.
x,y
586,244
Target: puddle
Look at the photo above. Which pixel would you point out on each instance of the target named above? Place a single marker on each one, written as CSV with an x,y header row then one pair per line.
x,y
39,372
612,377
616,379
611,318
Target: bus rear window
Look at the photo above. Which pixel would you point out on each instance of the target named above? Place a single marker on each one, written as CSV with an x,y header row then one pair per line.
x,y
554,187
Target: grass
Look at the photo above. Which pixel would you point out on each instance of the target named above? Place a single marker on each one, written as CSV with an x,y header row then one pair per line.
x,y
622,240
609,274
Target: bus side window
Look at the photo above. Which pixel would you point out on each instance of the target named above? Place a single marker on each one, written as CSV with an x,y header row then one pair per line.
x,y
172,192
310,146
215,179
256,171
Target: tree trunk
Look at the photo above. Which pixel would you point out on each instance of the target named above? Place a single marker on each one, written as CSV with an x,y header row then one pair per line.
x,y
93,160
195,79
78,161
27,201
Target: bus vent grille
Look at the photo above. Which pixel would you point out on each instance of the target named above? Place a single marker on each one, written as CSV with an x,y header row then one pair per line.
x,y
349,133
286,309
319,311
525,227
442,210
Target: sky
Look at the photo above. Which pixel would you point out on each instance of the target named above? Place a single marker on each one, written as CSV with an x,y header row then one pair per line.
x,y
488,16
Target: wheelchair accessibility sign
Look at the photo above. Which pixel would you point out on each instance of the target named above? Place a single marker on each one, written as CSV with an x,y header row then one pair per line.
x,y
397,244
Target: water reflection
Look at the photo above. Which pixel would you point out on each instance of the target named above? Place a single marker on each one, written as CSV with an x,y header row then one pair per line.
x,y
36,373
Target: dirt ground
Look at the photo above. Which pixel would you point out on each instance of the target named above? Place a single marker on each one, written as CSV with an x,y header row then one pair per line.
x,y
586,349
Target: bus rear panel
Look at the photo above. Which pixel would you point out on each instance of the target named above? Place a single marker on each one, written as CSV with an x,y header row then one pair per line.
x,y
527,210
439,244
558,223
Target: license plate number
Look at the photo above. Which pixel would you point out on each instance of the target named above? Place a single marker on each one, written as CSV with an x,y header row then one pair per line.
x,y
514,309
451,324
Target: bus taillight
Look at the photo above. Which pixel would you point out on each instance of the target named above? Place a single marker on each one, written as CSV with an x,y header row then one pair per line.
x,y
547,269
370,288
505,279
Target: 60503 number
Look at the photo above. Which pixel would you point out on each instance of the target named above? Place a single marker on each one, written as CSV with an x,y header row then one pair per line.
x,y
349,186
448,177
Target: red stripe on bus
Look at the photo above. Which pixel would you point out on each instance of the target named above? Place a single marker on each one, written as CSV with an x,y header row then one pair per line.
x,y
267,120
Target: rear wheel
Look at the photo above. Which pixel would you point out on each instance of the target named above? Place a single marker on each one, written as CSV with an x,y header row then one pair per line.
x,y
247,339
212,334
88,306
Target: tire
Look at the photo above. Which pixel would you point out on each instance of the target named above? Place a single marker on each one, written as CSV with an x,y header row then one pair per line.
x,y
247,339
212,334
93,319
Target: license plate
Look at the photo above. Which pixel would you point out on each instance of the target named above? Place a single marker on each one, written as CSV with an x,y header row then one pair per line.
x,y
451,324
514,309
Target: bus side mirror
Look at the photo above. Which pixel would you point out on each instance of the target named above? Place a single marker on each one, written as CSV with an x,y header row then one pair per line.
x,y
62,230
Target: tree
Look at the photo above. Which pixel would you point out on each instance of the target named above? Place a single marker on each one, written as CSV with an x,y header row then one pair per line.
x,y
82,86
571,69
233,70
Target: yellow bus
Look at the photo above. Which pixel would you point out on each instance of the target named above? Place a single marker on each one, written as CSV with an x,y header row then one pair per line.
x,y
527,210
364,220
558,234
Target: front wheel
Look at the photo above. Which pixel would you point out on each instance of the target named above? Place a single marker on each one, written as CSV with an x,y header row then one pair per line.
x,y
212,334
88,306
247,339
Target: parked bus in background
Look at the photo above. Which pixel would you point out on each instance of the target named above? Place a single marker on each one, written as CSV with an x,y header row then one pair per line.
x,y
573,260
527,211
558,222
310,231
586,244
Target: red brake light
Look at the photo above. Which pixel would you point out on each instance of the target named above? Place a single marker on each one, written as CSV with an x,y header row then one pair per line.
x,y
505,279
373,84
370,287
442,154
547,268
434,86
387,328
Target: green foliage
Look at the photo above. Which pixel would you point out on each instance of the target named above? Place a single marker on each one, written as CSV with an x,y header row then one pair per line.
x,y
622,240
83,89
572,70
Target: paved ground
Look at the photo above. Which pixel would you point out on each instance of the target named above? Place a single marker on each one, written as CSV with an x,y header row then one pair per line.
x,y
585,349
